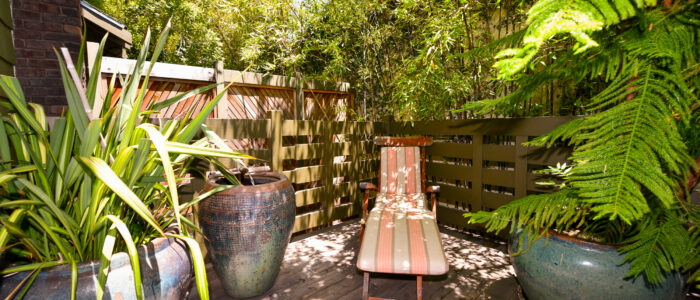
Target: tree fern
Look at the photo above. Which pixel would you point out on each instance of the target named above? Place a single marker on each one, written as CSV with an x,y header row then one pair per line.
x,y
577,18
629,154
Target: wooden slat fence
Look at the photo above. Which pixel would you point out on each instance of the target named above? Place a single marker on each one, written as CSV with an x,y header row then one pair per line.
x,y
251,96
335,165
479,164
482,164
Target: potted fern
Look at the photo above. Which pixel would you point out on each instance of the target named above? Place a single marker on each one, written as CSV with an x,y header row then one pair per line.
x,y
101,180
624,199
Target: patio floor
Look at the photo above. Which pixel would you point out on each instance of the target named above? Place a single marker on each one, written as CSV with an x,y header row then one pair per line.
x,y
321,265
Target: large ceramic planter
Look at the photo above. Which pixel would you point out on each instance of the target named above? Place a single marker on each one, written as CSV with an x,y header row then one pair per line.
x,y
166,273
569,268
247,229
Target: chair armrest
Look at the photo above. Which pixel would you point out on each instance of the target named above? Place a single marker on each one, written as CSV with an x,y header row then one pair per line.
x,y
367,186
432,189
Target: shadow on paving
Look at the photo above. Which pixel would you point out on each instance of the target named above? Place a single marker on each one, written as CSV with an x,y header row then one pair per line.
x,y
321,265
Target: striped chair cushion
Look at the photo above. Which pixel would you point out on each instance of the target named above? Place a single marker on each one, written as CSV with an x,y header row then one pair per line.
x,y
401,236
400,170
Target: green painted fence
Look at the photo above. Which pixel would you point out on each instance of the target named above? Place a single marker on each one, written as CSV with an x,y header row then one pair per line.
x,y
479,164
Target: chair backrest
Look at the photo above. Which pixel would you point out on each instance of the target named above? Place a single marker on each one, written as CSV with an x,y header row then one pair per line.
x,y
400,170
402,163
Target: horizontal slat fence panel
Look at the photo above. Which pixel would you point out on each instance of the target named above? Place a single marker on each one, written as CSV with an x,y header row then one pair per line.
x,y
482,164
450,150
478,164
502,153
325,171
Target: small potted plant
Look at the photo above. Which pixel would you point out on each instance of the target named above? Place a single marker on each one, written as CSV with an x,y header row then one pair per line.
x,y
621,225
102,180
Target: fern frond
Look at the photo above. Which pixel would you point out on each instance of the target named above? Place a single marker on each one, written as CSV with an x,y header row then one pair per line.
x,y
535,213
618,148
577,18
661,246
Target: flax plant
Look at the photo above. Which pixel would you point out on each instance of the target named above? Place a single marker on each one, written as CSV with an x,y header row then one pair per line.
x,y
101,172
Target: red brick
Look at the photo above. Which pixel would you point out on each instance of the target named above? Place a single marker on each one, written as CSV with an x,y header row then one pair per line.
x,y
54,73
29,53
42,7
26,14
70,11
21,33
59,36
61,19
42,26
72,3
39,44
29,72
42,63
72,29
39,26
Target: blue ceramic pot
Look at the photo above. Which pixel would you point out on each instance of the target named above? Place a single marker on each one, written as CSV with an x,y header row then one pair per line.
x,y
166,273
247,230
569,268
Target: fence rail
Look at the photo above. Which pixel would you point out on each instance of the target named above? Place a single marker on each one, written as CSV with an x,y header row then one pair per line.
x,y
483,164
479,164
251,96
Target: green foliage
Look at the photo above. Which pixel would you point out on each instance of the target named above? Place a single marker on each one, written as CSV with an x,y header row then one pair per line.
x,y
632,149
401,58
194,40
577,18
102,170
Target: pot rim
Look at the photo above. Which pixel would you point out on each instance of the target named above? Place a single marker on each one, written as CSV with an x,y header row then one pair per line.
x,y
281,181
119,259
583,242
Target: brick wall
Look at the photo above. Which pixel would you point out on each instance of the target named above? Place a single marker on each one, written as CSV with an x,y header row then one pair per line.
x,y
38,27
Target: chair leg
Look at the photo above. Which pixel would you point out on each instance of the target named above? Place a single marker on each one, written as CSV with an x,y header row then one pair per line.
x,y
365,287
419,287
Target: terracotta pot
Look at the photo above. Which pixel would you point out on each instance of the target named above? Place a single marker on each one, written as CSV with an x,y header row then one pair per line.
x,y
166,273
570,268
247,229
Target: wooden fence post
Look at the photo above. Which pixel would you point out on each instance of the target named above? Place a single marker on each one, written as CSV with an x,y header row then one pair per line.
x,y
299,98
520,167
328,201
274,133
477,172
354,176
220,111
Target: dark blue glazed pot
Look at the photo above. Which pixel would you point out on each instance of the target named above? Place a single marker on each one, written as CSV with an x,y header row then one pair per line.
x,y
166,273
247,230
569,268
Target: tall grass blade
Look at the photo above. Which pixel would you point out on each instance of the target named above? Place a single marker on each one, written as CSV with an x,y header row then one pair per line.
x,y
200,272
159,142
131,250
106,175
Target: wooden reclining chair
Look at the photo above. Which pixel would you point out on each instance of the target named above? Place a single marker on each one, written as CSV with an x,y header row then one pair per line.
x,y
400,235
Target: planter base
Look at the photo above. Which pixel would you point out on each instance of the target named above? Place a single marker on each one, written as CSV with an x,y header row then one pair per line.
x,y
166,273
247,230
567,268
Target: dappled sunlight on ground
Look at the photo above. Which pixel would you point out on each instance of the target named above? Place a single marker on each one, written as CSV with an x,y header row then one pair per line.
x,y
321,265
